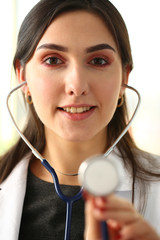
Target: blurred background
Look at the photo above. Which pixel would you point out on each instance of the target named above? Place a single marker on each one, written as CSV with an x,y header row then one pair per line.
x,y
142,19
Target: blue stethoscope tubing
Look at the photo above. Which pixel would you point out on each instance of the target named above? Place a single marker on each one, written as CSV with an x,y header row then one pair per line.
x,y
70,200
104,229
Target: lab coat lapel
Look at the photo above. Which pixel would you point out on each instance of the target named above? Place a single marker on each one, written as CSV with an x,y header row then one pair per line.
x,y
12,195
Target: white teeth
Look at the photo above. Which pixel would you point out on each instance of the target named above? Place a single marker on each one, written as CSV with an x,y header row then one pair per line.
x,y
79,110
73,110
76,110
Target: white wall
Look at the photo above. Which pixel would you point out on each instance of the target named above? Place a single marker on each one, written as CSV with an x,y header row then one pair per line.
x,y
142,19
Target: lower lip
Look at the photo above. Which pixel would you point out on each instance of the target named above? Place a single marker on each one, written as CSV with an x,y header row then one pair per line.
x,y
78,116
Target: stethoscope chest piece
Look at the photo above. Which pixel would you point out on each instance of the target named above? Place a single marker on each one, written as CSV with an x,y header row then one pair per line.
x,y
98,175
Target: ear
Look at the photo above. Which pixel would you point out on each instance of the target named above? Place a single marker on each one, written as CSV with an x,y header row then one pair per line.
x,y
125,78
20,73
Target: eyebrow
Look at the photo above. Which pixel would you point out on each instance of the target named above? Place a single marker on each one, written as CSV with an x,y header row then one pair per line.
x,y
65,49
100,47
53,47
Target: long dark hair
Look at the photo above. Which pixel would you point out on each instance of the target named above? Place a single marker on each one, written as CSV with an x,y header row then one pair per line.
x,y
31,31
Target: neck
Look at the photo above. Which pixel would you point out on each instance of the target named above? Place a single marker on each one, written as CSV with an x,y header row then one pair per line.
x,y
66,157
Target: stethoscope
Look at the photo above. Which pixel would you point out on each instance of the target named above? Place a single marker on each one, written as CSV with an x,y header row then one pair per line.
x,y
97,174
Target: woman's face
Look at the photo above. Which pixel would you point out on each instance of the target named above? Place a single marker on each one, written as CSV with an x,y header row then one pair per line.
x,y
75,77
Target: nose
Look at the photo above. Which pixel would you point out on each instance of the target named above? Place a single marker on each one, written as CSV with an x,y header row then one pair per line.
x,y
76,83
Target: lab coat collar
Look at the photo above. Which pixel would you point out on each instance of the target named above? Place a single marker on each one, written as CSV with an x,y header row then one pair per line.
x,y
11,201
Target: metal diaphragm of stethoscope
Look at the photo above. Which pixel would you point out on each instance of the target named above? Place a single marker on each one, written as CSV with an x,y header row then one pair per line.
x,y
98,174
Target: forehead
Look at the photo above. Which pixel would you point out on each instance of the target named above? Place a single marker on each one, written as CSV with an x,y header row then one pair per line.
x,y
78,28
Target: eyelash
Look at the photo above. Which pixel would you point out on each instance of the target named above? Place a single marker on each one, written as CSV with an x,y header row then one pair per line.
x,y
99,64
101,61
53,58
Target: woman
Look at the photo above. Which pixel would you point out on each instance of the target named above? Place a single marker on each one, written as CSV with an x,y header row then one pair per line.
x,y
75,57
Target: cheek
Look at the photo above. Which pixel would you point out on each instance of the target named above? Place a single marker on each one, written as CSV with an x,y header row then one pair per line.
x,y
108,94
44,95
46,99
109,91
109,84
43,88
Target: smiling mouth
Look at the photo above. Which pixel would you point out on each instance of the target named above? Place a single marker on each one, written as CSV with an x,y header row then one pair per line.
x,y
76,109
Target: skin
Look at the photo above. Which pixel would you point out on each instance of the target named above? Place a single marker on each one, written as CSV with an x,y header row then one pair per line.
x,y
76,74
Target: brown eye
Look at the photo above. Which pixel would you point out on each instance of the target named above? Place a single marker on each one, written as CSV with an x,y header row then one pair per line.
x,y
53,61
99,61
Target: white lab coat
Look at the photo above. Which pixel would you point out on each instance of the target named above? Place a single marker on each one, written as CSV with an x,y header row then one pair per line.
x,y
13,189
